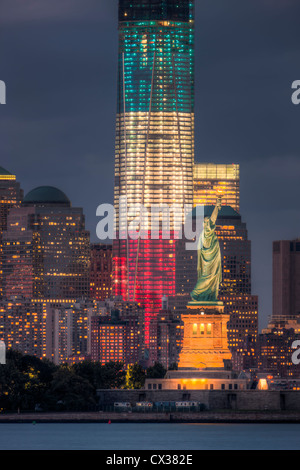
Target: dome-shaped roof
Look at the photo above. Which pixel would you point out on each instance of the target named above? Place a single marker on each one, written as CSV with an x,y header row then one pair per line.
x,y
4,172
46,195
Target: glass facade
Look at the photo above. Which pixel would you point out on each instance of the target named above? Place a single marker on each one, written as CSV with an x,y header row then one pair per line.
x,y
11,195
211,180
46,252
154,10
154,138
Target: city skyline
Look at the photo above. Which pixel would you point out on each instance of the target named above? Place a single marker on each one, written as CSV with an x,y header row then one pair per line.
x,y
149,227
259,108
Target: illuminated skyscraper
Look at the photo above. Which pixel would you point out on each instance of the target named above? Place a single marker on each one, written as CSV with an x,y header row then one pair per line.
x,y
108,340
286,279
57,329
101,271
118,337
169,334
210,180
11,195
22,325
46,249
274,347
134,317
154,139
68,330
274,351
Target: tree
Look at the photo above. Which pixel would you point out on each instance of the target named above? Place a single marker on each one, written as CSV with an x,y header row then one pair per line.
x,y
156,372
111,375
27,381
69,391
87,370
12,386
135,377
24,380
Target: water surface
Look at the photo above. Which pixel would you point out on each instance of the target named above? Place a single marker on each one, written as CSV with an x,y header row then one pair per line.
x,y
146,436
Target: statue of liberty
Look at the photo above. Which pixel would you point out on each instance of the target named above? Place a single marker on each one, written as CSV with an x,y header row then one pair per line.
x,y
209,261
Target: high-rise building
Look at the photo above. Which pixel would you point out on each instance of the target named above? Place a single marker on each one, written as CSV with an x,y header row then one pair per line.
x,y
23,325
133,314
59,329
119,335
101,271
274,347
46,249
11,195
274,351
243,323
245,358
154,141
169,336
68,330
286,279
108,339
211,180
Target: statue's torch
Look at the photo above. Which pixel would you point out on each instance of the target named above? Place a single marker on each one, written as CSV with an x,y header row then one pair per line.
x,y
219,198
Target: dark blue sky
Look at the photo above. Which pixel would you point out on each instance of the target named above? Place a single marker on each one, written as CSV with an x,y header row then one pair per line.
x,y
59,61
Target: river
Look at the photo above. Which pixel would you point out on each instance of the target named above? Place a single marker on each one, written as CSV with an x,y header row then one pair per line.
x,y
140,436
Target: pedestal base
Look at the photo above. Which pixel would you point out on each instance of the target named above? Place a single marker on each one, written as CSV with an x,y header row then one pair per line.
x,y
205,343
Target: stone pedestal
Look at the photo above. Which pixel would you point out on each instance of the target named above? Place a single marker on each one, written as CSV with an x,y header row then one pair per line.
x,y
205,343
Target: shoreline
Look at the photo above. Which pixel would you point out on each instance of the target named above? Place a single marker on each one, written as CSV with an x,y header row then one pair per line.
x,y
213,417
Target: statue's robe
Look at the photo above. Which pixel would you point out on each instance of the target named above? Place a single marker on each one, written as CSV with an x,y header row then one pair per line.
x,y
209,266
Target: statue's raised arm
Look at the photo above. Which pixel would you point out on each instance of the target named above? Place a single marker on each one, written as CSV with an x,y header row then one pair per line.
x,y
215,213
